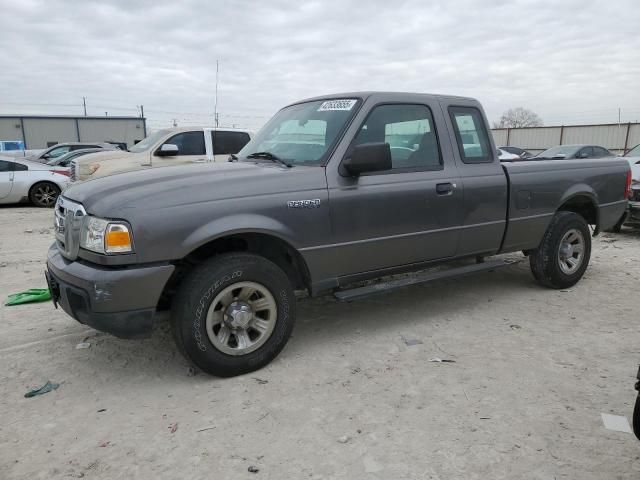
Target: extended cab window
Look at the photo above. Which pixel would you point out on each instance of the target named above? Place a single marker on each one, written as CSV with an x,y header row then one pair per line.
x,y
188,143
6,166
226,143
410,133
471,135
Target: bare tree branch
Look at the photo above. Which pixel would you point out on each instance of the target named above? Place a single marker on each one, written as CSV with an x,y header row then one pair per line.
x,y
518,117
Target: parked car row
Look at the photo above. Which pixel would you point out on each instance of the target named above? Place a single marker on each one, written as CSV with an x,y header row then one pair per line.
x,y
50,170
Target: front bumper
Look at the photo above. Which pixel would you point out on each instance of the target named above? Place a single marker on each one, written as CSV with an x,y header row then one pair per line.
x,y
120,301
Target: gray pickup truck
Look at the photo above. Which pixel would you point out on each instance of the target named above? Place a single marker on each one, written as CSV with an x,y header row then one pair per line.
x,y
331,194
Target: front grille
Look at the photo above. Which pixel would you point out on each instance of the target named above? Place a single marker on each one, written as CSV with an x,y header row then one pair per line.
x,y
67,225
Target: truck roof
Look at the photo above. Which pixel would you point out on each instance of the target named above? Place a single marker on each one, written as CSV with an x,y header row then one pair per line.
x,y
372,93
201,127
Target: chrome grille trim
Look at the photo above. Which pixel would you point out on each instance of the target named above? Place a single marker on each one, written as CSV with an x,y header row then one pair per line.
x,y
68,219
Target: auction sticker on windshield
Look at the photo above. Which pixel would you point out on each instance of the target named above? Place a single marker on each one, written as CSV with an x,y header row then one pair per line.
x,y
336,105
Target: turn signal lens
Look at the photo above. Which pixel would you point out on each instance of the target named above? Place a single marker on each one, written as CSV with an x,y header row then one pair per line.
x,y
117,239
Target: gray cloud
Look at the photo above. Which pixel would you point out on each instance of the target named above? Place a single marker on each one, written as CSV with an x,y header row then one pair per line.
x,y
571,61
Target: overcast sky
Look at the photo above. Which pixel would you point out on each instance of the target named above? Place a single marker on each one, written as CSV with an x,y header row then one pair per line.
x,y
570,60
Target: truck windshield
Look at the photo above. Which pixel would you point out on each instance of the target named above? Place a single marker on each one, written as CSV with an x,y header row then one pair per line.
x,y
303,133
148,142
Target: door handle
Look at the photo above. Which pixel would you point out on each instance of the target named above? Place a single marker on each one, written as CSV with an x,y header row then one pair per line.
x,y
445,188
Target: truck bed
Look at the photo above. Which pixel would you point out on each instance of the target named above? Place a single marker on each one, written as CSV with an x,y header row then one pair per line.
x,y
538,187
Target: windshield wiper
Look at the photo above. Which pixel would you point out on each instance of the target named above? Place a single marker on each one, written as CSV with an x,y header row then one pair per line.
x,y
269,156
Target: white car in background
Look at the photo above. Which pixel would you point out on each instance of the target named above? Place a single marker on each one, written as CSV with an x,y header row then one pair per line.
x,y
24,180
505,156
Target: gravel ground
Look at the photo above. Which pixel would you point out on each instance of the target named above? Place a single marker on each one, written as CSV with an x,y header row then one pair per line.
x,y
353,395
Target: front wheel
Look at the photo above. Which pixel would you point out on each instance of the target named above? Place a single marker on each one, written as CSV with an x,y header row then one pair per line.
x,y
564,252
44,194
233,314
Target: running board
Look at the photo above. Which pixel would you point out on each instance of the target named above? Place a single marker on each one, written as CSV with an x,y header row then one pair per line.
x,y
374,289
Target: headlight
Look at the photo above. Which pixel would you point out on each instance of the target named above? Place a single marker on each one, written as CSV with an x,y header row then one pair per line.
x,y
105,236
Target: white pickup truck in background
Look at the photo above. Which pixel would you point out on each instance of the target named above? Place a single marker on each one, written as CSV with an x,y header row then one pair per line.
x,y
172,146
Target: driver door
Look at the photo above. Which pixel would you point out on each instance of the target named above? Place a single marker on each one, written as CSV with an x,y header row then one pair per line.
x,y
6,178
191,149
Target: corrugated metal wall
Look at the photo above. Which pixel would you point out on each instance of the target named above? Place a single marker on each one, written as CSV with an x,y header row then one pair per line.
x,y
10,129
536,139
105,130
40,131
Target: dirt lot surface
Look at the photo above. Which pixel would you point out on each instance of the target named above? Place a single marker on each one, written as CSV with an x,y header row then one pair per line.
x,y
353,395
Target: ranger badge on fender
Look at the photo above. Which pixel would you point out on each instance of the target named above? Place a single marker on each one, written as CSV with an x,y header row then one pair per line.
x,y
315,203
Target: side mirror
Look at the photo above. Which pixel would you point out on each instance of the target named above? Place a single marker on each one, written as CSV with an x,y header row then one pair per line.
x,y
583,155
559,156
368,157
46,156
167,150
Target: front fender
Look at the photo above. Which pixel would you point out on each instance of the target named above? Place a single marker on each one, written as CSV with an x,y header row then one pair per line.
x,y
235,224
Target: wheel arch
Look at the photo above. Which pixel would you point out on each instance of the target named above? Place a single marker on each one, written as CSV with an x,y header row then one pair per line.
x,y
264,243
585,204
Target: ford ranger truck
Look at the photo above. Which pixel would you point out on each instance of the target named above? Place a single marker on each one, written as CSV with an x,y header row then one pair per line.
x,y
332,194
163,148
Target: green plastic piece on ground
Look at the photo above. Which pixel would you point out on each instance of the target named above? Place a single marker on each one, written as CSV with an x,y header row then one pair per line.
x,y
29,296
46,388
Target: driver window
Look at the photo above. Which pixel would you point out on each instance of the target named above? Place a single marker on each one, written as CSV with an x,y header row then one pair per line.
x,y
410,133
188,143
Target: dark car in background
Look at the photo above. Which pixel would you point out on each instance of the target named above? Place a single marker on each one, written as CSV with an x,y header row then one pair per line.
x,y
65,160
562,152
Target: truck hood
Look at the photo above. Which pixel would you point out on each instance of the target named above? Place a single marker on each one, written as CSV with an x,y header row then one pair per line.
x,y
100,156
165,187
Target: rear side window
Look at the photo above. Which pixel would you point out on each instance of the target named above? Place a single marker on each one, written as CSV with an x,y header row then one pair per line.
x,y
471,135
18,167
602,152
226,143
188,143
410,133
6,166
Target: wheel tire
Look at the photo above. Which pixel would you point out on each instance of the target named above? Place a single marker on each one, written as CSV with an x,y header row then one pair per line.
x,y
203,285
545,260
44,194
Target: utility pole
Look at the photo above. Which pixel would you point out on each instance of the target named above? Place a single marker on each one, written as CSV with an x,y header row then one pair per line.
x,y
619,126
215,106
84,104
144,121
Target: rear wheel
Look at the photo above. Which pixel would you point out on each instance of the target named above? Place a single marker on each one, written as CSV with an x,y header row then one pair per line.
x,y
44,194
563,255
233,314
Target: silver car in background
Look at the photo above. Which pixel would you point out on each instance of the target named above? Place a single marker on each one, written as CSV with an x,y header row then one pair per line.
x,y
24,180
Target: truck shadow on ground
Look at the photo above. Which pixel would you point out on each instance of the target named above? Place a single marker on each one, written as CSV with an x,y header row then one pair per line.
x,y
323,322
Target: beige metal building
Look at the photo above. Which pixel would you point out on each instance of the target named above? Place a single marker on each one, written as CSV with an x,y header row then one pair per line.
x,y
618,138
43,131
